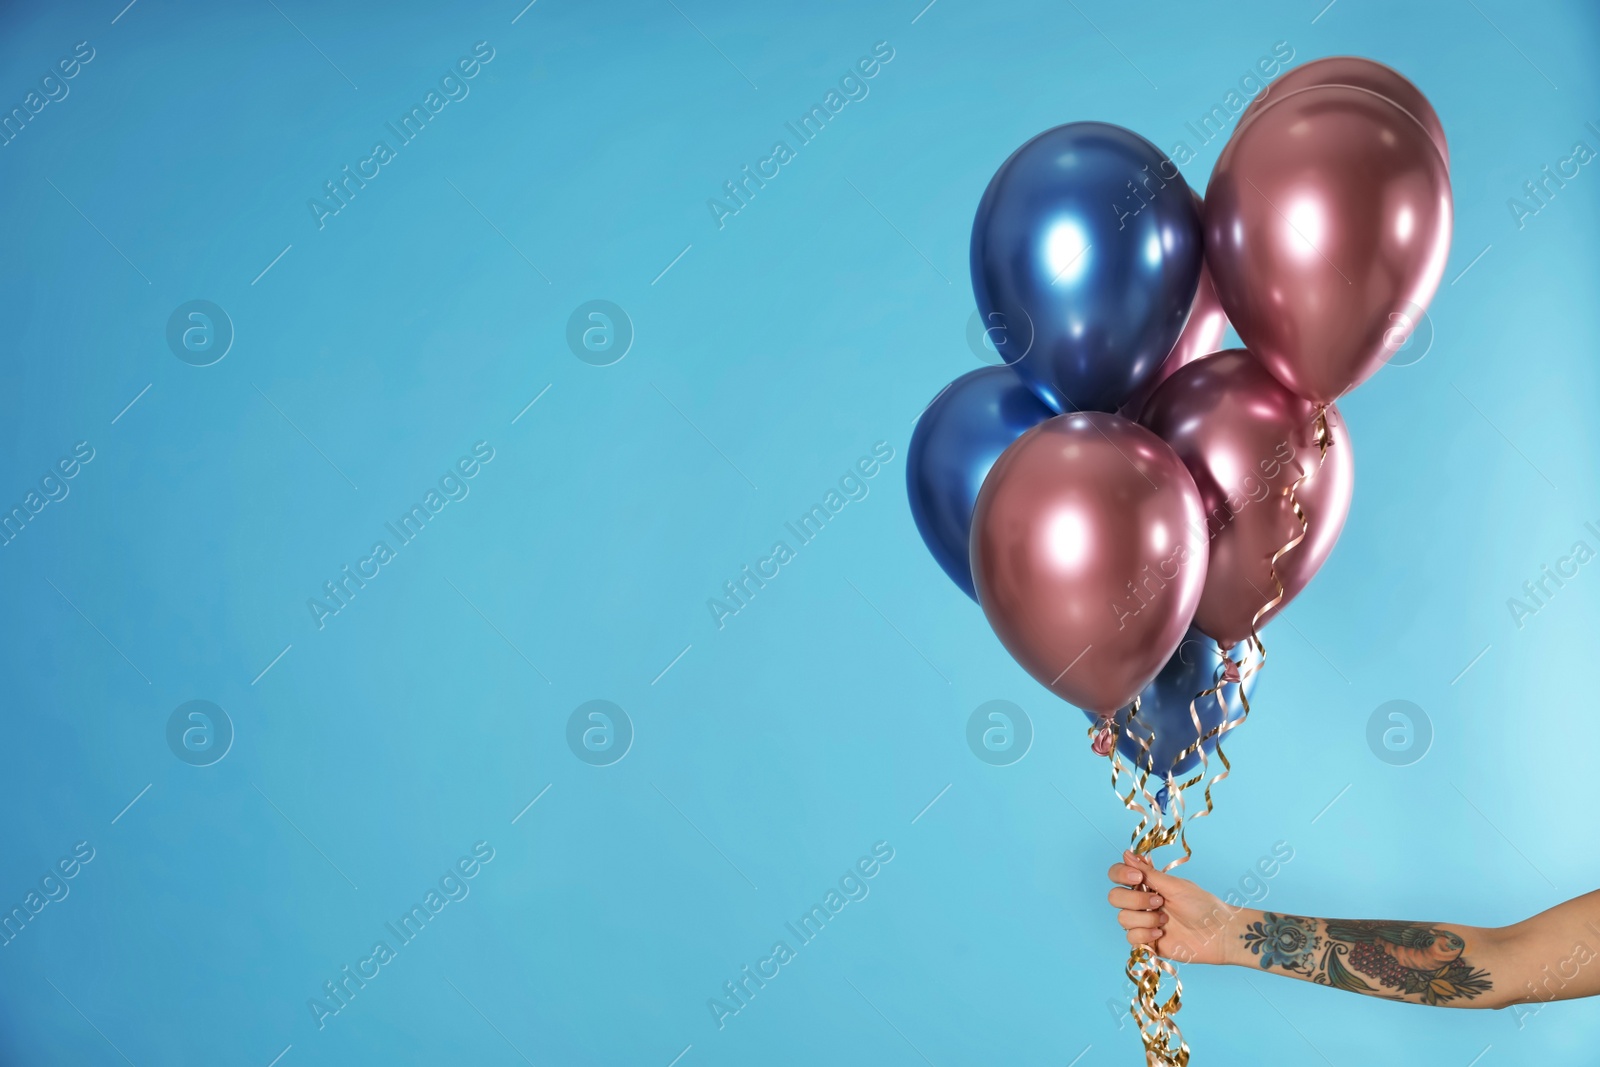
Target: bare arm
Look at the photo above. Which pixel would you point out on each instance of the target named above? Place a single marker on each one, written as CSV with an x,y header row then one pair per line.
x,y
1555,955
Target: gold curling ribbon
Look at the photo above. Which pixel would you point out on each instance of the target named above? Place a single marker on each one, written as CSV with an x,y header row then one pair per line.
x,y
1234,673
1164,1045
1158,1029
1245,667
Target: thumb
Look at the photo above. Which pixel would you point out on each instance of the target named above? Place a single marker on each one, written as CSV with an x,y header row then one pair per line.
x,y
1154,878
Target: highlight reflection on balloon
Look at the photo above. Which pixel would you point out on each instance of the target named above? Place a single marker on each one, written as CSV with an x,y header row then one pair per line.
x,y
1086,248
1327,228
1089,555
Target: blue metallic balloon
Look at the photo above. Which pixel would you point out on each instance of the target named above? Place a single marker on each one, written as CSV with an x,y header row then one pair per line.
x,y
956,441
1086,254
1164,721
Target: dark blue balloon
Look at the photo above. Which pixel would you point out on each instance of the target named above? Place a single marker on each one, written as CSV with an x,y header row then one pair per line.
x,y
1164,721
957,440
1086,255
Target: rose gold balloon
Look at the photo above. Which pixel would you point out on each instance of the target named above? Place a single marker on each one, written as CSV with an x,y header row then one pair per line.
x,y
1363,74
1089,554
1201,336
1327,229
1246,438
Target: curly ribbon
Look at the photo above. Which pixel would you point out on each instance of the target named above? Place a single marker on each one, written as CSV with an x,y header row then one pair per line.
x,y
1164,1045
1322,437
1238,671
1163,1041
1232,672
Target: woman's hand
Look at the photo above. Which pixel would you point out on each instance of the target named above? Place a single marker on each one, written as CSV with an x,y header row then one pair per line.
x,y
1177,918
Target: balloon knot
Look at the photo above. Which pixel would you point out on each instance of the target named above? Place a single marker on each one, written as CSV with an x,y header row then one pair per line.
x,y
1103,738
1230,671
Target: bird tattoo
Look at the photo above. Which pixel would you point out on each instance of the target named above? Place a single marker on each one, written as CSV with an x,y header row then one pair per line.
x,y
1412,946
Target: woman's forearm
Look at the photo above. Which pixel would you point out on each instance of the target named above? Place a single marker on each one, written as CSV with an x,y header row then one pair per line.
x,y
1419,963
1551,956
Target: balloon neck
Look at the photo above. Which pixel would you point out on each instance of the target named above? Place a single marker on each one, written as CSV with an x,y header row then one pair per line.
x,y
1321,435
1103,737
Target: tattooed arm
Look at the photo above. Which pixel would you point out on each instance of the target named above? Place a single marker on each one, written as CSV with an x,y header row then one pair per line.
x,y
1553,956
1420,963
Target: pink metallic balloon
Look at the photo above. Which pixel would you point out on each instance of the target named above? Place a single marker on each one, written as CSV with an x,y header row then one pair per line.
x,y
1246,438
1089,554
1327,228
1201,336
1363,74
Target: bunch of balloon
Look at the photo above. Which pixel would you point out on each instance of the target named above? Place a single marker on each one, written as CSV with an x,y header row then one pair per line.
x,y
1130,506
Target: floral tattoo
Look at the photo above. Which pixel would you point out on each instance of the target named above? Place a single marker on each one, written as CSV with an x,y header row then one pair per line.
x,y
1285,941
1413,962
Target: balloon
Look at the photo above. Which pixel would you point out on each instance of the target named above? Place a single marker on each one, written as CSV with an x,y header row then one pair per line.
x,y
1363,74
1086,251
1089,554
1327,228
1201,336
956,441
1245,438
1164,722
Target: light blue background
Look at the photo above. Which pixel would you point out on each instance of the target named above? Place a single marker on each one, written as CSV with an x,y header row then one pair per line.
x,y
828,713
